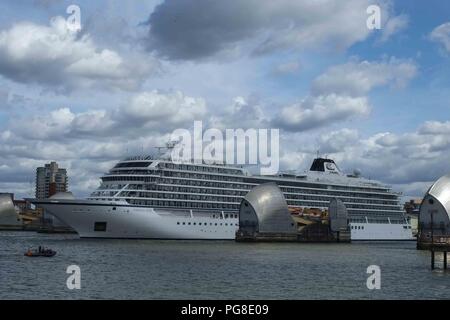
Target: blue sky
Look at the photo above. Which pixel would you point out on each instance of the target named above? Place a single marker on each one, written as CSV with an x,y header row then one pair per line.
x,y
377,100
426,96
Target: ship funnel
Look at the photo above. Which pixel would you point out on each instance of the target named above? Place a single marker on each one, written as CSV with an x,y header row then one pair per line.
x,y
324,165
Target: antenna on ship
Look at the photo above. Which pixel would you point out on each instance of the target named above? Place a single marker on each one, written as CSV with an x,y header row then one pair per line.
x,y
161,148
169,146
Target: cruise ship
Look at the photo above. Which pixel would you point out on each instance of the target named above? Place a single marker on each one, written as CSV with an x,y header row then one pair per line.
x,y
149,197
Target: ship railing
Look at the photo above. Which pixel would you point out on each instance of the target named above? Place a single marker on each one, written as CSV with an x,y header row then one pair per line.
x,y
120,191
366,219
219,215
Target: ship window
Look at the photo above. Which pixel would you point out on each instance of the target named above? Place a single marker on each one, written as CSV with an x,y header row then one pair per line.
x,y
178,223
114,208
184,223
100,226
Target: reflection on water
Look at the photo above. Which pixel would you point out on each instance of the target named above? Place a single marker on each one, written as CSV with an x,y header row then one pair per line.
x,y
127,269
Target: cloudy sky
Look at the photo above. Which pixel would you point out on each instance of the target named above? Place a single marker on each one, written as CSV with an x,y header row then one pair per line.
x,y
377,100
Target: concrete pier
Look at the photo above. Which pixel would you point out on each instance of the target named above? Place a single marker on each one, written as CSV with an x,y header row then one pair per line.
x,y
439,244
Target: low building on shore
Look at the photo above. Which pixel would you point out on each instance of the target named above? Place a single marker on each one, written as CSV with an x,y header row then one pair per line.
x,y
412,207
412,210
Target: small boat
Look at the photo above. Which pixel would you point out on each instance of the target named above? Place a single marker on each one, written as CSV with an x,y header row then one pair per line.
x,y
40,253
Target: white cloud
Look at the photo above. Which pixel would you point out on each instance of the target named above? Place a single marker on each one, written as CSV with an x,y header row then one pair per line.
x,y
144,113
441,35
164,110
394,25
358,78
338,141
410,162
57,57
92,122
51,126
258,26
435,127
340,93
287,68
241,113
403,158
318,111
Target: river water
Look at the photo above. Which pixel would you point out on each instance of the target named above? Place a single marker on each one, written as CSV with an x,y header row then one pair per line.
x,y
147,269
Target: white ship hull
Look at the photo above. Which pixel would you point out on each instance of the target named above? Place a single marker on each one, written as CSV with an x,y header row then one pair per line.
x,y
380,231
129,222
123,221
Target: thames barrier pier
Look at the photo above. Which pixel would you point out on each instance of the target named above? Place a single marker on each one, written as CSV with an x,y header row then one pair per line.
x,y
9,218
434,220
264,216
